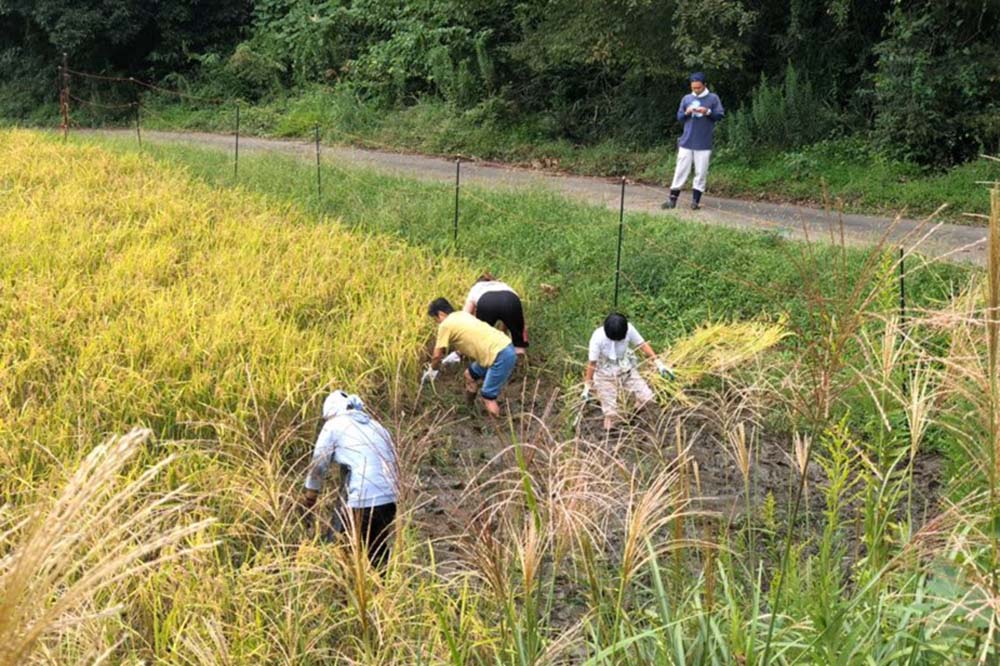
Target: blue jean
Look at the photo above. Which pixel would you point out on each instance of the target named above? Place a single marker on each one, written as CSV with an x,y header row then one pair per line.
x,y
497,374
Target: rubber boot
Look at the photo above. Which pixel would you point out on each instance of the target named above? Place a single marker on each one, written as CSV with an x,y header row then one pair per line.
x,y
672,201
695,199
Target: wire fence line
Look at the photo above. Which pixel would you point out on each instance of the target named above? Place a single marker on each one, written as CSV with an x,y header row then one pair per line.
x,y
462,194
145,84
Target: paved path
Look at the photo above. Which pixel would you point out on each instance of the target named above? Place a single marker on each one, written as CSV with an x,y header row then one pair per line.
x,y
951,241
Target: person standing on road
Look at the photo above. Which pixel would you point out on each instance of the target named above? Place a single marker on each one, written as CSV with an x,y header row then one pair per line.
x,y
362,448
611,364
491,352
492,301
699,111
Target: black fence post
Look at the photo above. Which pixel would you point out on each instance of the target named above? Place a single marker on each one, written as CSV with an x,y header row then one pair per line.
x,y
458,178
902,288
64,96
319,184
138,132
621,233
902,314
236,156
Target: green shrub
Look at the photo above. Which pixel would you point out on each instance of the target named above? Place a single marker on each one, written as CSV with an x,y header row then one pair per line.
x,y
935,91
253,71
784,113
25,80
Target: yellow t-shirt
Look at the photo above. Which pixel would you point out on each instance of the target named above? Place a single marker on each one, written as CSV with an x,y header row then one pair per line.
x,y
471,338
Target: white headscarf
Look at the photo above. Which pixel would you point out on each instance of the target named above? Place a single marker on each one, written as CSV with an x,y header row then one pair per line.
x,y
339,402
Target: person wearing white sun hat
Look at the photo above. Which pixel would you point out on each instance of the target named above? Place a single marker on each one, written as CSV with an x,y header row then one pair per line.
x,y
363,449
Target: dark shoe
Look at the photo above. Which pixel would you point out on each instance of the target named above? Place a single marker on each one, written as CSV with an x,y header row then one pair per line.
x,y
668,204
695,206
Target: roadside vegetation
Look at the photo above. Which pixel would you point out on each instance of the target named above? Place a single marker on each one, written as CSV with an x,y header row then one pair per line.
x,y
884,105
848,172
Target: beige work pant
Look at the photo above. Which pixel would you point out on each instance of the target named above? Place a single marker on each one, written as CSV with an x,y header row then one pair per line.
x,y
607,383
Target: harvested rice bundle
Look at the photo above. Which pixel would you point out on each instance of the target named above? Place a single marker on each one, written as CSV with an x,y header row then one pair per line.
x,y
712,349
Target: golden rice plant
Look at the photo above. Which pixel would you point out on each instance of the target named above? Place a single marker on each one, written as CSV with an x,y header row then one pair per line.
x,y
132,295
714,348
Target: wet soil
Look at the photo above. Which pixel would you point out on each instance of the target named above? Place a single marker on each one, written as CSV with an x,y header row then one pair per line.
x,y
471,443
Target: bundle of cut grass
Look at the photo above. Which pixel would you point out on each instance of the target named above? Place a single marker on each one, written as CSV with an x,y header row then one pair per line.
x,y
712,349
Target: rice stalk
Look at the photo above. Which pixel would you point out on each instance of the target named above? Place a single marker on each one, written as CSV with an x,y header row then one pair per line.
x,y
714,349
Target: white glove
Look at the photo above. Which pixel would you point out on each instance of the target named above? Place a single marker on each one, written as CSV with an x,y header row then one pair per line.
x,y
430,374
585,396
664,370
451,359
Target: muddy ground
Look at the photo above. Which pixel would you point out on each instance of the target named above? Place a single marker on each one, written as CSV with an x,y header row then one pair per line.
x,y
470,444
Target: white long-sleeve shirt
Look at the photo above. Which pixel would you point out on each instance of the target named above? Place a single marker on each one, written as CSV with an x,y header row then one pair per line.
x,y
357,441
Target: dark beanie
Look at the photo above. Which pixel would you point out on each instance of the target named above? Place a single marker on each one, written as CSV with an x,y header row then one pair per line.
x,y
698,76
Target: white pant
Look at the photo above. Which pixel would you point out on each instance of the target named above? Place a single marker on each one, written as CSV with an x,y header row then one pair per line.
x,y
685,158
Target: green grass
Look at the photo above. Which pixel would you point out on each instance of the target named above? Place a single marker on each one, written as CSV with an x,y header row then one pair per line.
x,y
845,170
675,275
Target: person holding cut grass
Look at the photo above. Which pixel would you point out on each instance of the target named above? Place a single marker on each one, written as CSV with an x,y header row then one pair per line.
x,y
493,301
611,364
491,352
699,111
362,448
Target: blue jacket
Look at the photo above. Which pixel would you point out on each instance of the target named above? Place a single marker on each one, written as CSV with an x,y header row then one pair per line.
x,y
698,131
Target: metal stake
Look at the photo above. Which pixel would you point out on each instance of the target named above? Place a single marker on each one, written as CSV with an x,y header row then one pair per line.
x,y
236,160
902,314
64,96
138,132
621,233
319,185
458,178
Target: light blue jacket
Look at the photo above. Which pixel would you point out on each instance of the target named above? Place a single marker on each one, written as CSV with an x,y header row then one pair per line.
x,y
354,440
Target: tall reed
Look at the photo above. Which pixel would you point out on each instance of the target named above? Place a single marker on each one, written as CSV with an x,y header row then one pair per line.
x,y
100,532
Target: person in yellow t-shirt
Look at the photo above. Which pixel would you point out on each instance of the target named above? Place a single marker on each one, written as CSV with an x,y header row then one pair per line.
x,y
491,352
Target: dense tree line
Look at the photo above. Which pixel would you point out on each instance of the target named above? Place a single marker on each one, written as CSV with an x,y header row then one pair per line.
x,y
921,77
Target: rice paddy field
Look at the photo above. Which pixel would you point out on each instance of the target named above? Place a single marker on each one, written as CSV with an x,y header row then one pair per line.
x,y
818,486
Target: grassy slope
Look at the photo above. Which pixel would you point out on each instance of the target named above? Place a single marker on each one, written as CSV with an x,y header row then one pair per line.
x,y
846,169
675,275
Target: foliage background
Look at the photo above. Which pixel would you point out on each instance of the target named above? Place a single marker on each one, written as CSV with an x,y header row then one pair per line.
x,y
921,80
